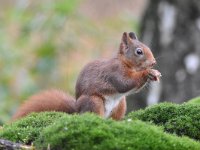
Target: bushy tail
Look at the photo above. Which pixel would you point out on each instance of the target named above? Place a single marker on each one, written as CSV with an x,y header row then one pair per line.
x,y
51,100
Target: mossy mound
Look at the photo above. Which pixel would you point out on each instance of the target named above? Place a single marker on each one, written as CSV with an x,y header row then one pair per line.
x,y
179,119
194,101
91,132
56,130
27,129
88,131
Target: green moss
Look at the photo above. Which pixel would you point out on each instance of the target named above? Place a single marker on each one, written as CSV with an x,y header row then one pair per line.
x,y
28,129
179,119
56,130
80,132
194,100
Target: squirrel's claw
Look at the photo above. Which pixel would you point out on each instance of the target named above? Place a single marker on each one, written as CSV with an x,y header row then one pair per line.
x,y
154,75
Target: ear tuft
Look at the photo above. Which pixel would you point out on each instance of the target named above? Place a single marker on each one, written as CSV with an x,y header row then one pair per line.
x,y
124,38
124,43
133,36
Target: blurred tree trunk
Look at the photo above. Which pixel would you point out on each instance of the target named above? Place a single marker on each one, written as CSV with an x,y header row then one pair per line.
x,y
171,28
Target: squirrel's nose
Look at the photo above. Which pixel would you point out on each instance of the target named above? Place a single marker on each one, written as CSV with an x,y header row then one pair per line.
x,y
153,63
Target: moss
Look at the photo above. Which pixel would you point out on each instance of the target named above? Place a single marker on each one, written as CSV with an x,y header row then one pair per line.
x,y
56,130
194,101
179,119
28,129
80,132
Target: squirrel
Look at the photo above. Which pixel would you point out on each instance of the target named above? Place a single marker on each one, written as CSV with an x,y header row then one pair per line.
x,y
102,85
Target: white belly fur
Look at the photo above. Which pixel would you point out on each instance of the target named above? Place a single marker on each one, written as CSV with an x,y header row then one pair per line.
x,y
112,101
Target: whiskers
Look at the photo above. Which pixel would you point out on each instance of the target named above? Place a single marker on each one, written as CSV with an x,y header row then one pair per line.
x,y
158,59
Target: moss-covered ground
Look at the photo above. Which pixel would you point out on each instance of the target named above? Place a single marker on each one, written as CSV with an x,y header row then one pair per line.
x,y
163,126
194,100
27,129
176,119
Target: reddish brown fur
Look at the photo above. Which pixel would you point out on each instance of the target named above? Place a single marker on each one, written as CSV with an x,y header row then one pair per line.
x,y
117,75
52,100
120,110
90,104
101,82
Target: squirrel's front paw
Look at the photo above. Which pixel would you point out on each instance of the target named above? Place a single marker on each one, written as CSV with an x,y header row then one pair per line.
x,y
154,75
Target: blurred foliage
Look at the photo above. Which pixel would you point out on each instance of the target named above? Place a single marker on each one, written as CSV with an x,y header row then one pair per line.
x,y
44,44
30,50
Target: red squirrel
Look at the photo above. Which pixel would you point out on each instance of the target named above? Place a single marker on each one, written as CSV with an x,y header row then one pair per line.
x,y
102,85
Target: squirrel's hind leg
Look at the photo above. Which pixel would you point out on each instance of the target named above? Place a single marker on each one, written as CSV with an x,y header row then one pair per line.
x,y
119,111
90,104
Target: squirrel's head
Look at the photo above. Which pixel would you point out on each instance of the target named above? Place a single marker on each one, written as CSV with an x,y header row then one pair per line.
x,y
134,53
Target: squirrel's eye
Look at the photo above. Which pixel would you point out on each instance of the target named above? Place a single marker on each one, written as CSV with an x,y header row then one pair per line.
x,y
139,51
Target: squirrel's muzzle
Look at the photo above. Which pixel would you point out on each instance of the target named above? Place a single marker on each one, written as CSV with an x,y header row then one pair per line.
x,y
153,63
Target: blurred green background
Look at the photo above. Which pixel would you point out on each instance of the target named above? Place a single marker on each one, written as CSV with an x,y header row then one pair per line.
x,y
44,44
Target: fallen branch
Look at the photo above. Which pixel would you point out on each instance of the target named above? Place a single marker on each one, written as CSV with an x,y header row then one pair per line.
x,y
9,145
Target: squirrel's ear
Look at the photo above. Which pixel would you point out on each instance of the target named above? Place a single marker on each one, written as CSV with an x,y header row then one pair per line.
x,y
124,43
133,36
126,39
